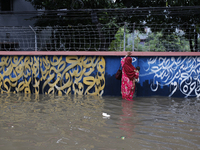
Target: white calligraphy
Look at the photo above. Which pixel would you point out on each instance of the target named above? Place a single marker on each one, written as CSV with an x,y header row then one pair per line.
x,y
181,73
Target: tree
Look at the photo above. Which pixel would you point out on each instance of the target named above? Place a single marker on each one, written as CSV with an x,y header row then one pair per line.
x,y
148,11
154,42
118,43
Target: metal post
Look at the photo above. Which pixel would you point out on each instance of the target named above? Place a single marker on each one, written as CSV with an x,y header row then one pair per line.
x,y
35,38
133,46
124,36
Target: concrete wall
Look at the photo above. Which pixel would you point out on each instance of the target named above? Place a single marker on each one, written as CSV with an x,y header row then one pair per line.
x,y
18,19
52,74
22,5
94,73
21,36
177,76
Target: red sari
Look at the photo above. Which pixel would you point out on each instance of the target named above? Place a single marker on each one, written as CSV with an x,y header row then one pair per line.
x,y
128,74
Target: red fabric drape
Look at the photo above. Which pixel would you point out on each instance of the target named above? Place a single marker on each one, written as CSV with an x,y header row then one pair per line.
x,y
129,69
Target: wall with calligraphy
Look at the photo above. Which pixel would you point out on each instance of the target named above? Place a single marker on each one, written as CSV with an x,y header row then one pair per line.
x,y
95,75
170,76
161,76
52,75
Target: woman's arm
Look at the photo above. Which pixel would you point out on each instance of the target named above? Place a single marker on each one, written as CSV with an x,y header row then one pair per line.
x,y
128,54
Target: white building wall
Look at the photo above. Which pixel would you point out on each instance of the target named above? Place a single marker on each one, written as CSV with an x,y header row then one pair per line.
x,y
14,27
18,19
22,5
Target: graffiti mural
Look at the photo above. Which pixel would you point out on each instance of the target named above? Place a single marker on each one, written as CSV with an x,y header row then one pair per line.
x,y
178,73
48,75
87,75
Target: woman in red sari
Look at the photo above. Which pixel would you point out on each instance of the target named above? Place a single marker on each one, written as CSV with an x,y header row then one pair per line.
x,y
129,74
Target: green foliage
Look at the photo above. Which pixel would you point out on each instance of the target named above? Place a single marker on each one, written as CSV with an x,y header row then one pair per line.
x,y
118,43
106,17
159,42
71,4
94,4
154,42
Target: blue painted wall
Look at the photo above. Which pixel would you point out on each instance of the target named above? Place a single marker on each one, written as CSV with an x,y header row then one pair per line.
x,y
79,75
162,76
113,86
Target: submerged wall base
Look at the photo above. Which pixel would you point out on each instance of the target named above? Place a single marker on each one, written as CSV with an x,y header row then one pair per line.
x,y
93,73
52,74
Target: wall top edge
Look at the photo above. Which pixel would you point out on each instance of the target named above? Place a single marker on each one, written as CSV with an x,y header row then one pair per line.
x,y
98,53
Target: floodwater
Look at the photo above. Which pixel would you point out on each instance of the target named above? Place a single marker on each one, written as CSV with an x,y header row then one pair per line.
x,y
49,122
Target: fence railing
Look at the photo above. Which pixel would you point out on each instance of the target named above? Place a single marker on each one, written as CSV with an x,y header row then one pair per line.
x,y
101,37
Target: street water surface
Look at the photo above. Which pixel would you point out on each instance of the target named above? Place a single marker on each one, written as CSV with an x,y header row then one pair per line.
x,y
50,122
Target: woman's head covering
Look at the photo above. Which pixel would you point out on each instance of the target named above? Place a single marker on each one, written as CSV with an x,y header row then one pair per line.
x,y
129,69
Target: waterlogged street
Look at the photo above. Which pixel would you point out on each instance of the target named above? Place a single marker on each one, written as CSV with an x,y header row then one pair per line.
x,y
49,122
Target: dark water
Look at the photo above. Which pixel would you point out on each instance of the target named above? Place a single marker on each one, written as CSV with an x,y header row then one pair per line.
x,y
49,122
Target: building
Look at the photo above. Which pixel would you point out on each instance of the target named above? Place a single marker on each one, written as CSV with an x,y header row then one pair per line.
x,y
16,17
15,25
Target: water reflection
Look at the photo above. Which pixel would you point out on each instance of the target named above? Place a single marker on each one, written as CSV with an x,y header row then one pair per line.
x,y
50,122
127,119
39,119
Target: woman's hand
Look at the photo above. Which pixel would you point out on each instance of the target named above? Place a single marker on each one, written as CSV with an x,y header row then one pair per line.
x,y
129,53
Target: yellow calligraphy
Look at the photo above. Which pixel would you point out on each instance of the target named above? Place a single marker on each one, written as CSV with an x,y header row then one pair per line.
x,y
57,74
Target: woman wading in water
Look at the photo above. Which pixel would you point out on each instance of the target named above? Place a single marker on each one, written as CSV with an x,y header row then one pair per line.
x,y
129,75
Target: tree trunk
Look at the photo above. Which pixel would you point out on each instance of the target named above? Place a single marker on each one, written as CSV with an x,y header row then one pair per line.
x,y
196,41
191,46
102,40
190,39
